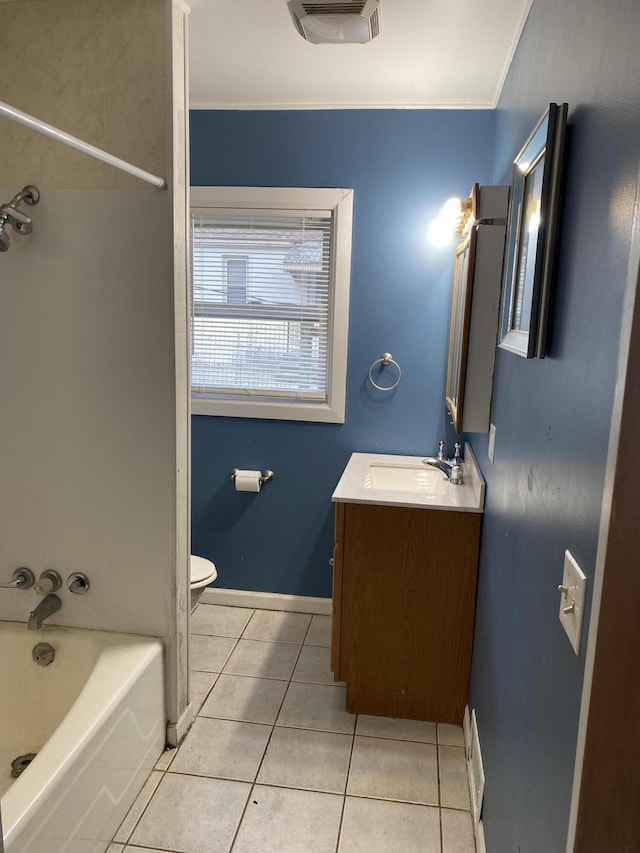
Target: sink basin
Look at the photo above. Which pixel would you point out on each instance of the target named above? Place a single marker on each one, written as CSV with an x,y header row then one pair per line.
x,y
405,478
393,480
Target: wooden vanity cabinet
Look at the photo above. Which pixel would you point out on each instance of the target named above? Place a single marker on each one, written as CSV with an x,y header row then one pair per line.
x,y
404,584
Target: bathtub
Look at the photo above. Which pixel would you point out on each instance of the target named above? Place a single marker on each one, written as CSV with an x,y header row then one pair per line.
x,y
95,717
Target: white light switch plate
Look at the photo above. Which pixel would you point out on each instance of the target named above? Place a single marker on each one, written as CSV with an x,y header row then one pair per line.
x,y
575,581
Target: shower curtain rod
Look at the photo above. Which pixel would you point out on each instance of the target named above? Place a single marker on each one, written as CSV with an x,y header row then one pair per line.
x,y
53,133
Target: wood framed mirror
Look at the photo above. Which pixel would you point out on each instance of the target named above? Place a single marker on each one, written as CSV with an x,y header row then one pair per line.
x,y
475,306
459,329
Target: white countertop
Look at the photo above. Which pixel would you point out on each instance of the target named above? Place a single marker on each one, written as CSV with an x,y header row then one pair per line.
x,y
354,485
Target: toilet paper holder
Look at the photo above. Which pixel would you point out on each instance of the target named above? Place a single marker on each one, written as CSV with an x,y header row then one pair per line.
x,y
266,477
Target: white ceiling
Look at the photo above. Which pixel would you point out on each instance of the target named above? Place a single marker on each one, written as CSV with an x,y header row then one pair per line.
x,y
430,53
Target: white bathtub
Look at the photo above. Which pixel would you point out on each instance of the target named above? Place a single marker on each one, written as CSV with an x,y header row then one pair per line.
x,y
95,718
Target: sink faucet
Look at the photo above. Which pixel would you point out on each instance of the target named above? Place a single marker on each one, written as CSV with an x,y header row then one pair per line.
x,y
48,606
452,470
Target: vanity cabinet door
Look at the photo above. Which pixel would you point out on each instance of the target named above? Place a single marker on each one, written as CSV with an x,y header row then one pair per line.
x,y
404,621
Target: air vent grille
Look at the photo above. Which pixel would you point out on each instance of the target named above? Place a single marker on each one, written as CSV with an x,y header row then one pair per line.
x,y
299,27
354,8
336,21
375,24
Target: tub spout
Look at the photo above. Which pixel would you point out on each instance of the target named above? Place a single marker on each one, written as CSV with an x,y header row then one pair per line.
x,y
49,604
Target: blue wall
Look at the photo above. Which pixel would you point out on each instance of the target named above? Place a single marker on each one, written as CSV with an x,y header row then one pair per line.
x,y
402,165
552,417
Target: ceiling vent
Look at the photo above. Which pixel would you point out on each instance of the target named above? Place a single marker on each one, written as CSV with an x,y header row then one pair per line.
x,y
336,21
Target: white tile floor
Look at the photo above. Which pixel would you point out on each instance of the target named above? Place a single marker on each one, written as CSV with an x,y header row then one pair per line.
x,y
274,763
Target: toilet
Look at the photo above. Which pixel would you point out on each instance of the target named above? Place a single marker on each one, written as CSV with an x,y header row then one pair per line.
x,y
203,572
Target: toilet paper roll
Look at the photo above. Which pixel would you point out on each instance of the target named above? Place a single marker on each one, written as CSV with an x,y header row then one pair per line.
x,y
248,481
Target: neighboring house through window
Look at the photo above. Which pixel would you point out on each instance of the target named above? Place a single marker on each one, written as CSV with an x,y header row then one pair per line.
x,y
270,299
236,277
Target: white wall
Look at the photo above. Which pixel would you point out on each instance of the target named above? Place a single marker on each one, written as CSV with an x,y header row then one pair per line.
x,y
86,418
93,401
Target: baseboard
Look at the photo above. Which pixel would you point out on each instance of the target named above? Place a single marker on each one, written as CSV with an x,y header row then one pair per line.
x,y
475,775
481,847
466,725
267,600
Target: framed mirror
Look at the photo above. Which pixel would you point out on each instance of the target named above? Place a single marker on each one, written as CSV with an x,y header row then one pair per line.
x,y
459,330
534,214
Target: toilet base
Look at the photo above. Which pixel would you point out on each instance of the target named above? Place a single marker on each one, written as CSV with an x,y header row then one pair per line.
x,y
203,572
196,595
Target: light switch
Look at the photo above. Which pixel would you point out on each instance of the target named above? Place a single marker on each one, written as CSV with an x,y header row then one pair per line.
x,y
572,594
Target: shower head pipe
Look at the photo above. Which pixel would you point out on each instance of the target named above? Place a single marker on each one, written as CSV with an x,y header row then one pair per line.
x,y
29,121
27,195
10,215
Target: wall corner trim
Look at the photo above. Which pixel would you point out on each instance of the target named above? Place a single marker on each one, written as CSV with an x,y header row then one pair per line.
x,y
176,731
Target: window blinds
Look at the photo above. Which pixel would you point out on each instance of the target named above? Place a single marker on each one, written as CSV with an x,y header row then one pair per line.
x,y
261,297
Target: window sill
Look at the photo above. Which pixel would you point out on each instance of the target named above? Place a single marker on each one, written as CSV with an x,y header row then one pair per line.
x,y
268,410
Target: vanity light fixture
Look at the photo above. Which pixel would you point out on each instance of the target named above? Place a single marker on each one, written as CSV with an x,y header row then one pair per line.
x,y
455,217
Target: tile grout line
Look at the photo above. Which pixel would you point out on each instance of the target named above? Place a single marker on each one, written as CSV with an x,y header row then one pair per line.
x,y
248,622
269,640
273,728
346,784
206,696
439,796
301,645
320,731
140,816
218,674
226,660
284,787
260,640
151,849
164,771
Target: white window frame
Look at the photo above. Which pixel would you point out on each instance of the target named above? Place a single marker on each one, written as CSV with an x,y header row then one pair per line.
x,y
340,203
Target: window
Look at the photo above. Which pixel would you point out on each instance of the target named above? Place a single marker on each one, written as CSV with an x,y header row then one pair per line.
x,y
236,277
269,302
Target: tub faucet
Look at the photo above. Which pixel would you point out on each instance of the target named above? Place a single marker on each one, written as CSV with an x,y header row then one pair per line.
x,y
47,607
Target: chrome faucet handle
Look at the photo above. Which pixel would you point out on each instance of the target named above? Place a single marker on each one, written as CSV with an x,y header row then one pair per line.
x,y
441,450
456,468
49,581
78,583
22,578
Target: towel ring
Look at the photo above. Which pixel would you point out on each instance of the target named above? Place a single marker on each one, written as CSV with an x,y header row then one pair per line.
x,y
385,359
